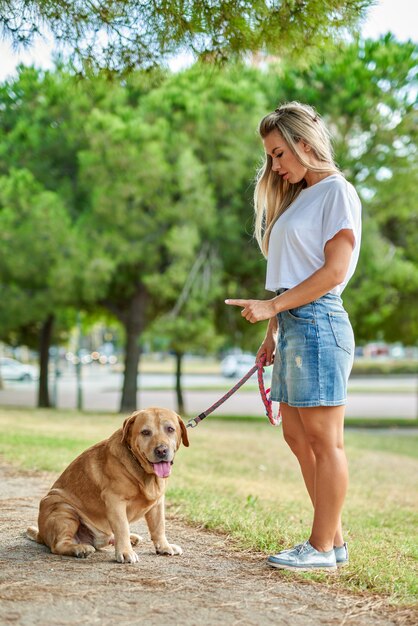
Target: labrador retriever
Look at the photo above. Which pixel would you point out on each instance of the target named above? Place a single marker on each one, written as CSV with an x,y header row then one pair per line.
x,y
113,483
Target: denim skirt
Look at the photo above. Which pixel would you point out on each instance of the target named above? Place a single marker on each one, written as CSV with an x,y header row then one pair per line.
x,y
314,354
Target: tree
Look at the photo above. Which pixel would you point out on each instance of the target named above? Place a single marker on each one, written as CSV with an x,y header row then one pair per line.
x,y
219,112
394,211
109,176
123,34
37,254
42,128
141,222
41,132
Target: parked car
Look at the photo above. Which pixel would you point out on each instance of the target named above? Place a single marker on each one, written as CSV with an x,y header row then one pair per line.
x,y
237,365
11,369
376,349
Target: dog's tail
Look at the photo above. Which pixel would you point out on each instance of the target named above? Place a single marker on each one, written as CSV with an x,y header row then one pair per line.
x,y
33,533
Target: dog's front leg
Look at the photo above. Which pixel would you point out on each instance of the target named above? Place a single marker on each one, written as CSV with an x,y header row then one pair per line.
x,y
118,520
155,519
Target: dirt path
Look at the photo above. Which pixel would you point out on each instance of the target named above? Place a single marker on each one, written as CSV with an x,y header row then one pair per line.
x,y
211,584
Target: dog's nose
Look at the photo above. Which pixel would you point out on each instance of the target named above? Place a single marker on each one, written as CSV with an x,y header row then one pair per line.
x,y
161,452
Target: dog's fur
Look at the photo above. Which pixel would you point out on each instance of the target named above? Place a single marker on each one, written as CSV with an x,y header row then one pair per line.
x,y
111,484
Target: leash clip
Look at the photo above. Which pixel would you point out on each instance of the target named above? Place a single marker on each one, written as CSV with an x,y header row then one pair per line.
x,y
193,422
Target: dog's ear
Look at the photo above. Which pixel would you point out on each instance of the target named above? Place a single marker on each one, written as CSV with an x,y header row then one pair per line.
x,y
127,425
183,429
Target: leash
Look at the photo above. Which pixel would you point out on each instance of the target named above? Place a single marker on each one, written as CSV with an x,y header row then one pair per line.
x,y
259,368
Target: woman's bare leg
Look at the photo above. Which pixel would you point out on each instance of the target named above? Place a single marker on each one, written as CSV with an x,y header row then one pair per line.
x,y
324,430
295,436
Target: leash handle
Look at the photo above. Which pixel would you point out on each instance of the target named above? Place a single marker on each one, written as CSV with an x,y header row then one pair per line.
x,y
274,420
257,367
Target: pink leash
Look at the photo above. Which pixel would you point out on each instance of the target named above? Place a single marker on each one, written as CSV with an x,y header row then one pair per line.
x,y
259,368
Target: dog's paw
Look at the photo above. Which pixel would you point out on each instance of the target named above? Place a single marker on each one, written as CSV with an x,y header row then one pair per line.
x,y
83,550
126,556
169,549
135,539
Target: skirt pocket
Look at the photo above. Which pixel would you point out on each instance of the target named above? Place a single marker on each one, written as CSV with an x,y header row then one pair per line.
x,y
342,331
303,313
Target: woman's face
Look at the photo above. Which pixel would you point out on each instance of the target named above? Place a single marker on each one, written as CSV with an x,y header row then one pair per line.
x,y
284,161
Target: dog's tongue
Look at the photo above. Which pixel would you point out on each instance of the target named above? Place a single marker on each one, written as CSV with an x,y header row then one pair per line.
x,y
162,469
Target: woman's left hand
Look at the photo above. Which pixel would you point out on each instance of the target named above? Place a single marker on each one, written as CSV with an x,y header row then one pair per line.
x,y
255,310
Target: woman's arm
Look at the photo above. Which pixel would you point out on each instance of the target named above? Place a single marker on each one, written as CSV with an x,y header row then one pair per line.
x,y
337,253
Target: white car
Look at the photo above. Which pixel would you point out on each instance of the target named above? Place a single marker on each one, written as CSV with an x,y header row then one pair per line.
x,y
10,369
237,365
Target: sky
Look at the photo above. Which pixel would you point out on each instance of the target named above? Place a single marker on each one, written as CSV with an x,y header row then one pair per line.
x,y
398,16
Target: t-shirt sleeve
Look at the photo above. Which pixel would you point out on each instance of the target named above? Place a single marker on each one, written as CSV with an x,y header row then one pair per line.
x,y
341,210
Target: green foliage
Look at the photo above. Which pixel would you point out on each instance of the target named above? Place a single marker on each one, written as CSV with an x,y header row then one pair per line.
x,y
123,34
40,129
144,185
218,111
36,252
26,208
40,134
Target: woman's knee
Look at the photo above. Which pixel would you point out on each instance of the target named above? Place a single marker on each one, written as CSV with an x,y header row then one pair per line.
x,y
324,429
297,442
291,439
323,445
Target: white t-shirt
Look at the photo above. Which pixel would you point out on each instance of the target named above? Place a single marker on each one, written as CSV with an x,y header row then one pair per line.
x,y
298,238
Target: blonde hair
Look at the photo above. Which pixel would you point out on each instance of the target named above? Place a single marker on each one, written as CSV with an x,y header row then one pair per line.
x,y
273,195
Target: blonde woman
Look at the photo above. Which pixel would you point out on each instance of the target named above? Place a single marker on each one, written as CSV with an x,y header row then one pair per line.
x,y
308,225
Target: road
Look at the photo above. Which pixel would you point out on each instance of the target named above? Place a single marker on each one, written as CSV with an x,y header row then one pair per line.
x,y
368,397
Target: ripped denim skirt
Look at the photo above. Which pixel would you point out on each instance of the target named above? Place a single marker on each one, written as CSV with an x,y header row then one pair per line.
x,y
314,354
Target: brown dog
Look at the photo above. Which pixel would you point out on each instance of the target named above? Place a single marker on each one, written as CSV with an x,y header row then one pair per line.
x,y
112,484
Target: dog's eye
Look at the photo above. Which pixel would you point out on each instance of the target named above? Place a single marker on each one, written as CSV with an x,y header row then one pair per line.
x,y
170,429
146,432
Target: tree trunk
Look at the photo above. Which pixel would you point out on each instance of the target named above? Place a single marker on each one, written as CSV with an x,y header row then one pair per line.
x,y
133,321
45,343
179,389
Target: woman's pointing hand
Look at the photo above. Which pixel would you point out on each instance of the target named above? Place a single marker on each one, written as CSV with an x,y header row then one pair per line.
x,y
255,310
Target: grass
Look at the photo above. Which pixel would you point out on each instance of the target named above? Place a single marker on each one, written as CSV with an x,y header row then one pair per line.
x,y
251,387
239,477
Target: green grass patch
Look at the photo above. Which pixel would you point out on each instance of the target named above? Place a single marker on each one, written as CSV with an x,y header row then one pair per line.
x,y
240,478
381,423
401,444
222,387
49,440
350,422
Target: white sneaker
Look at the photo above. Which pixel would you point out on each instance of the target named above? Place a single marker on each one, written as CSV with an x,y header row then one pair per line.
x,y
341,555
304,557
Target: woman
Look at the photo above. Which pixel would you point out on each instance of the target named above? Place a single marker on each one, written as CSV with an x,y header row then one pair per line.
x,y
308,226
